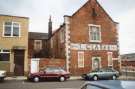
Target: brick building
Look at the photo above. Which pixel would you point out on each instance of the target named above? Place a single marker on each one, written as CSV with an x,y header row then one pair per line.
x,y
37,44
128,60
14,44
87,40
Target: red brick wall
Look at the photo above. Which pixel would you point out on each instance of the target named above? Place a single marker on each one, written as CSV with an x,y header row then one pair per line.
x,y
42,53
58,50
79,33
46,62
83,17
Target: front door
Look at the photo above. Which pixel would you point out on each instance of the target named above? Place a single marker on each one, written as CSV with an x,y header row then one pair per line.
x,y
19,62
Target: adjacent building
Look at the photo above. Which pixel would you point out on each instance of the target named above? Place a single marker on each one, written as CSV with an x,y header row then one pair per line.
x,y
14,44
37,44
88,39
128,60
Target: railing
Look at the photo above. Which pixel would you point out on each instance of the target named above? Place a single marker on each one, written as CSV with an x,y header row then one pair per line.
x,y
128,71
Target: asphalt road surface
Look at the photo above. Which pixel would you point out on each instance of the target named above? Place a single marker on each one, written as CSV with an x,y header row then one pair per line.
x,y
15,84
70,84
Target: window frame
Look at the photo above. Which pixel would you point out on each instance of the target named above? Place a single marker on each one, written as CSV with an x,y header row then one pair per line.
x,y
90,30
35,45
2,52
100,65
80,60
62,36
12,29
110,54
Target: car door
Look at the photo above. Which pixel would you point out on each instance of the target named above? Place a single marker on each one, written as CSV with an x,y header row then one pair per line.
x,y
51,73
48,73
102,73
108,73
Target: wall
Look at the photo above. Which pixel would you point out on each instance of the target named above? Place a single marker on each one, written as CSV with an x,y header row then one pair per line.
x,y
79,33
43,53
46,62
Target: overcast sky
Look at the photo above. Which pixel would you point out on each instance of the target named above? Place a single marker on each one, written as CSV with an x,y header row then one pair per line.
x,y
122,11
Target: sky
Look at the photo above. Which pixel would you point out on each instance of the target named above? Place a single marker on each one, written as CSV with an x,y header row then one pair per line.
x,y
122,11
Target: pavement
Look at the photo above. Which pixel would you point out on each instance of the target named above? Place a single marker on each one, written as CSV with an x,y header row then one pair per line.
x,y
71,78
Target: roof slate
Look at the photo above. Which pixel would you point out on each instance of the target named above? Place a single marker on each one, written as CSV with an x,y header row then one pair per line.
x,y
37,35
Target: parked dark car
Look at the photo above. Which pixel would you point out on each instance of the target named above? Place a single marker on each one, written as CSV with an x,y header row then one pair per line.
x,y
49,74
103,73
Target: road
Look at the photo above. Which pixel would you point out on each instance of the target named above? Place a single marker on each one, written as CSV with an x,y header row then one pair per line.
x,y
15,84
70,84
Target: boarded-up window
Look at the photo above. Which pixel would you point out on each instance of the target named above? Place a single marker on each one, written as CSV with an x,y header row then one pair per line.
x,y
37,44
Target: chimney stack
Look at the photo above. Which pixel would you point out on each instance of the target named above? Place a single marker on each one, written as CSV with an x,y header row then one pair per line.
x,y
50,27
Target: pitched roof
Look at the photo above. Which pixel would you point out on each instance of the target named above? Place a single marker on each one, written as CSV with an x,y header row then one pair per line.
x,y
37,35
99,6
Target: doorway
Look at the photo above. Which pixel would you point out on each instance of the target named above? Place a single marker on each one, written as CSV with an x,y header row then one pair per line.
x,y
19,62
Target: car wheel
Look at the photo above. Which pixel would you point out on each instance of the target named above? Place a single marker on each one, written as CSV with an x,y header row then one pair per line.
x,y
114,77
62,79
95,78
36,79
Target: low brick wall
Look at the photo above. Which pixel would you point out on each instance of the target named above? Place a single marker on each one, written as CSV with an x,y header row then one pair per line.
x,y
46,62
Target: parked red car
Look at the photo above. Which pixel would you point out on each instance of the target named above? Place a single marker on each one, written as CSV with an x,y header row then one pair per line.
x,y
50,73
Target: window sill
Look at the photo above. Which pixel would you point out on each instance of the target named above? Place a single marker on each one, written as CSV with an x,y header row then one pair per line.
x,y
96,41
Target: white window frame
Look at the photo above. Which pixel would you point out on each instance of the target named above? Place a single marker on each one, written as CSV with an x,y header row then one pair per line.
x,y
2,52
80,60
11,29
93,58
35,45
90,38
110,54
